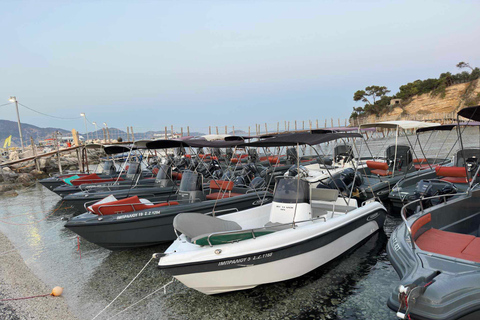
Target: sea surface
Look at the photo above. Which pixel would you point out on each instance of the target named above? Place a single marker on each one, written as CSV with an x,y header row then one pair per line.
x,y
354,286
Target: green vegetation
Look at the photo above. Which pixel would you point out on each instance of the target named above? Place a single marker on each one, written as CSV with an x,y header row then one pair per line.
x,y
378,103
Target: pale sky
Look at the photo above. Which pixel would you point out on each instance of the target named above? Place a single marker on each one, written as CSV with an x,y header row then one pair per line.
x,y
151,64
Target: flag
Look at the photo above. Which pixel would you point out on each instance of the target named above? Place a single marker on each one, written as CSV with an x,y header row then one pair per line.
x,y
8,141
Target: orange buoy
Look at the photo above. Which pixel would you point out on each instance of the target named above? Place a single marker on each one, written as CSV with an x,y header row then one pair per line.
x,y
57,291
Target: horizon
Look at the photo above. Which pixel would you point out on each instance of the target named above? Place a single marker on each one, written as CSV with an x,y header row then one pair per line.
x,y
207,63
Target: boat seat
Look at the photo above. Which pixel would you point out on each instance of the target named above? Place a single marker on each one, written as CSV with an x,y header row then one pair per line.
x,y
224,190
378,168
323,201
456,245
107,207
452,174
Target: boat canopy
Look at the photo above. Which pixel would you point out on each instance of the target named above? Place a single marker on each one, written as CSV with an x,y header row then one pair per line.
x,y
293,139
93,146
443,127
404,124
195,143
141,144
118,148
472,113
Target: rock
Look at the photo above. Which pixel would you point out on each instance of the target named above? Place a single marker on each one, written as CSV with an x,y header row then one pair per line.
x,y
6,187
9,175
38,174
10,193
26,179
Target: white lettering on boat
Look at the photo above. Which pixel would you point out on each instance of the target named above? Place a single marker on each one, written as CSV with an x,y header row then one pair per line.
x,y
139,214
247,259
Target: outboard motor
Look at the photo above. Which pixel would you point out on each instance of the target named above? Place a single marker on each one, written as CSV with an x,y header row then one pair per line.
x,y
326,161
403,157
164,177
342,181
133,170
191,187
109,168
291,155
295,171
430,188
252,155
257,183
343,153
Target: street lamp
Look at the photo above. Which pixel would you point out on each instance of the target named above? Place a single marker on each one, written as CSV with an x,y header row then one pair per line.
x,y
86,129
14,99
108,132
96,130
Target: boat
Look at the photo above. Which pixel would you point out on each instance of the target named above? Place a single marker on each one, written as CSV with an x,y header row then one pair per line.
x,y
299,231
379,175
436,251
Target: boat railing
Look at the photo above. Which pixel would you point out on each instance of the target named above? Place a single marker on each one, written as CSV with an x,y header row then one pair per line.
x,y
252,231
403,212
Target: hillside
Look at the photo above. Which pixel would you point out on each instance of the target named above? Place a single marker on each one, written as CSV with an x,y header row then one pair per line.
x,y
8,128
456,97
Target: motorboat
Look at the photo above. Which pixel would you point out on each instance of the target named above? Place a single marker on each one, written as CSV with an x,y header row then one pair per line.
x,y
436,252
302,229
132,222
380,174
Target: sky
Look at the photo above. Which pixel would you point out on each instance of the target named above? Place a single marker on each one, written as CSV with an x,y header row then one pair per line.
x,y
151,64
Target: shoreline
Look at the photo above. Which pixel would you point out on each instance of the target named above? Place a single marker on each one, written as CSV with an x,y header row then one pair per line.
x,y
17,280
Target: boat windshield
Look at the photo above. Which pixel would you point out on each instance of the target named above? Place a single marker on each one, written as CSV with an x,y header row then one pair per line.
x,y
163,172
291,190
134,168
190,181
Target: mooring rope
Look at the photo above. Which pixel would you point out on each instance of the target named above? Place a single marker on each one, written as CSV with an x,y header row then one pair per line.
x,y
128,285
164,287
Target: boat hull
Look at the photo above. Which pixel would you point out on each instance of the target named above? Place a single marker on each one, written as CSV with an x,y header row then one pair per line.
x,y
276,264
152,226
455,292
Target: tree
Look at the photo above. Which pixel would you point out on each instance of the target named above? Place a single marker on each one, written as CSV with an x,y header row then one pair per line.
x,y
372,91
462,65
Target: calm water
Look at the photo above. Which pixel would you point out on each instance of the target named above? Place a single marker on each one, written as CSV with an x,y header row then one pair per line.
x,y
354,286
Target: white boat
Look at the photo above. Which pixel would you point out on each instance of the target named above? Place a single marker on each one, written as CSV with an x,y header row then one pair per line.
x,y
302,229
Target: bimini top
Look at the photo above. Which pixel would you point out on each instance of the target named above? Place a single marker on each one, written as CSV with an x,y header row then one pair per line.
x,y
141,144
292,139
404,124
195,143
118,148
472,113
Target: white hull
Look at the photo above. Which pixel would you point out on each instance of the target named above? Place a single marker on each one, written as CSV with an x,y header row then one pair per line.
x,y
249,276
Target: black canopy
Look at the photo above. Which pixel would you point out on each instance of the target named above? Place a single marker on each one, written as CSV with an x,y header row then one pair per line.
x,y
118,148
293,139
472,113
195,143
443,127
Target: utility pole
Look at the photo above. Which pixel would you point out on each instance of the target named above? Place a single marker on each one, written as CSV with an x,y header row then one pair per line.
x,y
14,99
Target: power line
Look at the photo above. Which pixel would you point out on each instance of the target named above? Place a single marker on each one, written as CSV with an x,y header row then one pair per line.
x,y
6,104
64,118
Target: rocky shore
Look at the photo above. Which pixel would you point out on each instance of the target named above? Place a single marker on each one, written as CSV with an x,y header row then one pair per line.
x,y
23,175
16,281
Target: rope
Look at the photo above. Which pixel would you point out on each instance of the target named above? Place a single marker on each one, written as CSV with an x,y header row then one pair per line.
x,y
5,104
147,296
64,118
128,285
39,296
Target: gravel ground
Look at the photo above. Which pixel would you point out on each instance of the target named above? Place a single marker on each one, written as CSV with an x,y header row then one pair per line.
x,y
17,280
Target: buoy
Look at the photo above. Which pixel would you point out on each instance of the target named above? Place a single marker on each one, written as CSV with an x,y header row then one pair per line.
x,y
57,291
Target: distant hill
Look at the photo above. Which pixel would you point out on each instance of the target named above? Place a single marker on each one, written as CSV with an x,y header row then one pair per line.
x,y
8,128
